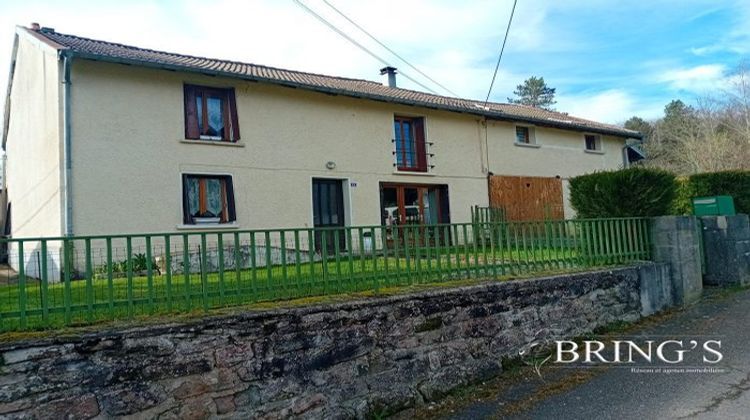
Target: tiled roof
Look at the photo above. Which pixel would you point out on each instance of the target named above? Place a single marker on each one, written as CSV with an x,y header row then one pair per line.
x,y
109,51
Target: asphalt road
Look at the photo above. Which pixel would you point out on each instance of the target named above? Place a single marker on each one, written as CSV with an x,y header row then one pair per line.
x,y
620,393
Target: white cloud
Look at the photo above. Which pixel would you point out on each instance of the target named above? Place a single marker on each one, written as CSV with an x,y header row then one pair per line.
x,y
611,106
735,35
694,79
456,43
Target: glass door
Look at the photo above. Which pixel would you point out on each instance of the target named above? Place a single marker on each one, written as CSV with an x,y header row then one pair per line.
x,y
406,206
328,214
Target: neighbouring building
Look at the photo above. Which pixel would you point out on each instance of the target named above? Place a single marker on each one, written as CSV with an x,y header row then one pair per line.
x,y
102,137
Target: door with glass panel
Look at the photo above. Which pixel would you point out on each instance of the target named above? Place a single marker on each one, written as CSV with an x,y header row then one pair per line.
x,y
412,210
328,215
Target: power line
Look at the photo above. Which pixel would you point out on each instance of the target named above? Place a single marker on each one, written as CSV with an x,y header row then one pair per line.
x,y
386,47
360,46
497,66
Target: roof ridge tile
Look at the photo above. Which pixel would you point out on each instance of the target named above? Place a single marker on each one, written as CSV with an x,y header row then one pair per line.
x,y
364,88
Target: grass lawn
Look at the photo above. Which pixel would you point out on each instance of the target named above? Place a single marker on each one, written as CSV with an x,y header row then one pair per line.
x,y
98,299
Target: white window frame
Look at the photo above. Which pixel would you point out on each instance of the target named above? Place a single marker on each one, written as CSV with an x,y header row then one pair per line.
x,y
207,226
597,143
532,135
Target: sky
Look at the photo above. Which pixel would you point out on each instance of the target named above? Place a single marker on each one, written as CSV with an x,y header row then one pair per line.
x,y
608,60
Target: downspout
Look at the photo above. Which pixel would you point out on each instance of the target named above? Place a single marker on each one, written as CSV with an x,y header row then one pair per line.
x,y
625,162
68,166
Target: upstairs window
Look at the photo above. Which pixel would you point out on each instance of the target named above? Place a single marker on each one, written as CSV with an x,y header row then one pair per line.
x,y
210,114
411,149
525,135
593,142
207,199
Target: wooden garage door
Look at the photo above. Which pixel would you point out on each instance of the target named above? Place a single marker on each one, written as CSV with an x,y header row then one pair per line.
x,y
527,197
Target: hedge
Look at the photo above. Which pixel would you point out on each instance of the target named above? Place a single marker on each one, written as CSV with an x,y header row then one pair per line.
x,y
734,183
632,192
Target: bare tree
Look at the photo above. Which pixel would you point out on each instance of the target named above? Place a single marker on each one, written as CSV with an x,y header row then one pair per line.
x,y
713,135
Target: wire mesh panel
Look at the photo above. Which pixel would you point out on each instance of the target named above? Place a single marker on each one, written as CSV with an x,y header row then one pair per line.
x,y
53,282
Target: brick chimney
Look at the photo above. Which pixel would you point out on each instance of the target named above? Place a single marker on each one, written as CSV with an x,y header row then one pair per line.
x,y
34,26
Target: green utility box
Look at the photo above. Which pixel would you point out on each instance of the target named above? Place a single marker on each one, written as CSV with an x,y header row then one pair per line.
x,y
720,205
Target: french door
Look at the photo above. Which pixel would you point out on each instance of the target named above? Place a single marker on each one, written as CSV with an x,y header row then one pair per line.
x,y
405,205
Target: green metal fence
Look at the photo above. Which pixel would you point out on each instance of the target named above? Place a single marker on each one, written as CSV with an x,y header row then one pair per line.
x,y
488,215
82,280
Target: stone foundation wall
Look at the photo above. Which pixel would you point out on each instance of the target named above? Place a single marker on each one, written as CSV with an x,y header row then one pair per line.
x,y
336,361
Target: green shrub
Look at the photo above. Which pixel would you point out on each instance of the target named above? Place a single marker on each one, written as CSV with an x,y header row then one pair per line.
x,y
632,192
734,183
683,201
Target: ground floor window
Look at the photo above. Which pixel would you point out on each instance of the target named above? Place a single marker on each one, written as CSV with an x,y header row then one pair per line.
x,y
408,204
207,199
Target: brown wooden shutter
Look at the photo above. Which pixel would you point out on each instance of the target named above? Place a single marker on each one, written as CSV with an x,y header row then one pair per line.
x,y
233,115
230,199
187,218
421,146
191,114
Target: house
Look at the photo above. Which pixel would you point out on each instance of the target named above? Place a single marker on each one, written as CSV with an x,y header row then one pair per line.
x,y
102,138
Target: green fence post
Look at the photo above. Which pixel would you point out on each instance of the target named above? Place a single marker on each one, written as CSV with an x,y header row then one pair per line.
x,y
220,252
110,280
383,234
375,272
549,243
407,256
312,254
284,272
467,255
129,274
324,258
438,253
149,275
21,287
589,243
337,258
89,282
600,248
349,257
417,259
204,274
396,237
67,276
237,266
483,247
45,284
362,262
297,263
426,238
631,239
168,270
253,268
270,286
647,238
533,234
186,271
617,239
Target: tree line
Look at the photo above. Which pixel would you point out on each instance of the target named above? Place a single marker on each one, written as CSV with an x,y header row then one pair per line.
x,y
712,135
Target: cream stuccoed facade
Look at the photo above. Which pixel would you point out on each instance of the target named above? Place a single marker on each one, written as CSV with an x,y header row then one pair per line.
x,y
33,137
128,149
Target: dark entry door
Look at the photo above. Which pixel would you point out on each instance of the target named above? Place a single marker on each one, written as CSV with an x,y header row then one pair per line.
x,y
328,214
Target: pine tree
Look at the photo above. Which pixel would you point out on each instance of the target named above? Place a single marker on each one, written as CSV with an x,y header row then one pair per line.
x,y
534,92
